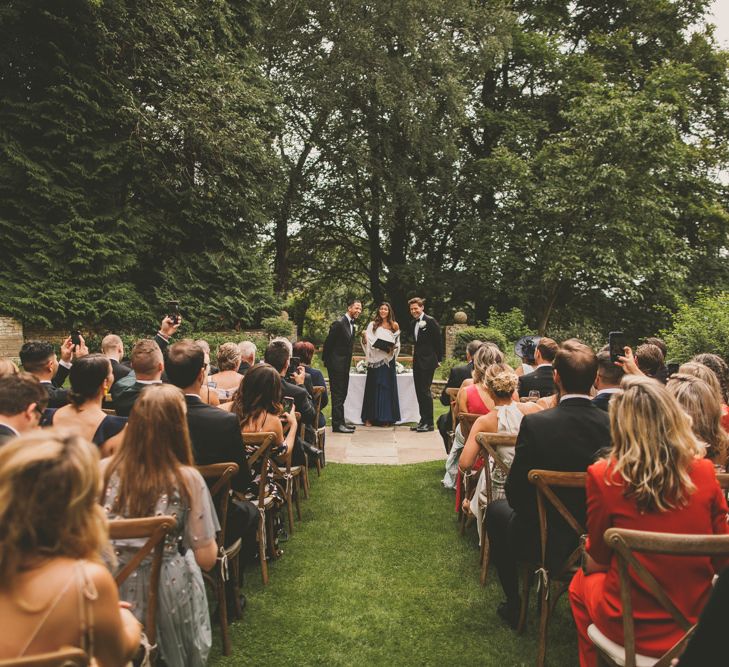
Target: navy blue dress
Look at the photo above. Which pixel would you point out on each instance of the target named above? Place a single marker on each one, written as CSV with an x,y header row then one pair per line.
x,y
381,404
110,426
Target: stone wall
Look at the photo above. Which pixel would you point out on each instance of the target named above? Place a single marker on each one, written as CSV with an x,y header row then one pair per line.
x,y
451,332
11,337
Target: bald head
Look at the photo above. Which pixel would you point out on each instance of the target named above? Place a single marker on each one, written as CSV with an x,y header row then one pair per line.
x,y
112,347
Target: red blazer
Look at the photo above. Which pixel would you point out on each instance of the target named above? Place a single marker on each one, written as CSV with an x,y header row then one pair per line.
x,y
687,580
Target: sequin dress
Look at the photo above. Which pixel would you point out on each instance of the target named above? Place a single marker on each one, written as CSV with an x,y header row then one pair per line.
x,y
183,620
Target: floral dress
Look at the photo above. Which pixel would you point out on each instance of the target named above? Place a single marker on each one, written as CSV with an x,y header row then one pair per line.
x,y
183,619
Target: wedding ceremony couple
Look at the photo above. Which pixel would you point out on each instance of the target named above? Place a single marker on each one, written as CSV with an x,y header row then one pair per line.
x,y
381,345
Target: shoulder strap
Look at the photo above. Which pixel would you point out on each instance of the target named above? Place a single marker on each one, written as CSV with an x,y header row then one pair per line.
x,y
87,594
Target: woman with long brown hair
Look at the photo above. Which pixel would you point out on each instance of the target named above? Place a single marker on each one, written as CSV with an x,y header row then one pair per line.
x,y
654,479
55,590
152,474
381,342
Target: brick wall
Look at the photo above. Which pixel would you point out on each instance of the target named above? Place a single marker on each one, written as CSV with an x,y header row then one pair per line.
x,y
11,337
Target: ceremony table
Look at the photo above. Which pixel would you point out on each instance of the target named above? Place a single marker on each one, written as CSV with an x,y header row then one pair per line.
x,y
405,392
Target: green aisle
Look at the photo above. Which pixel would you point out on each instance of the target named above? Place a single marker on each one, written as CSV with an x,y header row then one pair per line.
x,y
377,574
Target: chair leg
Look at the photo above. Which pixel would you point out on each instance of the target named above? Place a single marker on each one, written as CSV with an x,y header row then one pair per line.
x,y
485,555
262,551
524,577
222,611
290,511
318,466
543,622
235,577
305,473
297,494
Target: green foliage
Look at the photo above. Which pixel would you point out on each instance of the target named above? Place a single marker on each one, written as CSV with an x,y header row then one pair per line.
x,y
316,326
510,323
446,365
701,326
484,334
277,326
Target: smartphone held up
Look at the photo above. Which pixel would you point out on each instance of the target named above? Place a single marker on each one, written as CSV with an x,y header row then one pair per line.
x,y
616,342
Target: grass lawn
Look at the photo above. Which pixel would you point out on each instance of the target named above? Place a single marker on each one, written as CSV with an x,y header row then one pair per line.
x,y
377,574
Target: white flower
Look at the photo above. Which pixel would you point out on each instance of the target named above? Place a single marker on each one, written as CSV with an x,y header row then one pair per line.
x,y
399,368
361,367
422,324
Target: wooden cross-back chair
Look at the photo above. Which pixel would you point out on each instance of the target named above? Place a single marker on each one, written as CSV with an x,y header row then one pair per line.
x,y
304,472
219,477
319,432
490,443
258,459
452,393
551,585
63,657
468,480
289,478
153,529
625,544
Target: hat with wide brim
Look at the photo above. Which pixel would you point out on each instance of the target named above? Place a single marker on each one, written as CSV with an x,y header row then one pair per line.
x,y
526,346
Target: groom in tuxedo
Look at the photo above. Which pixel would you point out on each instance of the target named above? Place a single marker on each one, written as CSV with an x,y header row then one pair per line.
x,y
337,356
427,355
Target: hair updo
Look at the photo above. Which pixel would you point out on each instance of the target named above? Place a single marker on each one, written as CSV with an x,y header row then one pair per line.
x,y
501,380
86,376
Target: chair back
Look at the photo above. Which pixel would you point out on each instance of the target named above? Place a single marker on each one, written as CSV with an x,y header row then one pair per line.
x,y
63,657
153,529
259,458
466,420
723,479
546,482
219,477
489,443
625,543
318,396
452,393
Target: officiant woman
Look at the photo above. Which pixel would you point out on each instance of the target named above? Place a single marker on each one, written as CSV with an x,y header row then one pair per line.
x,y
381,343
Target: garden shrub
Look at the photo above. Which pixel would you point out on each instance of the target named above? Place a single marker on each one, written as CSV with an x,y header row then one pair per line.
x,y
277,326
485,334
701,326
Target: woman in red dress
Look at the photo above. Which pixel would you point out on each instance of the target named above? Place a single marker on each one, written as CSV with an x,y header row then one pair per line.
x,y
653,480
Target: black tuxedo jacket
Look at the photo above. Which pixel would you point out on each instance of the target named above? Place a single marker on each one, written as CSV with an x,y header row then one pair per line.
x,y
57,397
120,370
216,438
428,348
541,379
6,434
602,401
455,379
567,438
243,368
337,352
60,377
302,400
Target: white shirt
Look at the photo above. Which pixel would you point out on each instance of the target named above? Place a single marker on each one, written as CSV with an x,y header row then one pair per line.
x,y
417,325
568,396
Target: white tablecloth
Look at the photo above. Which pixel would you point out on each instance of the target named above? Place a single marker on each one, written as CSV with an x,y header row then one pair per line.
x,y
405,392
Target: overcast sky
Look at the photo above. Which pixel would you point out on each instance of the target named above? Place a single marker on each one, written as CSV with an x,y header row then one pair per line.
x,y
720,18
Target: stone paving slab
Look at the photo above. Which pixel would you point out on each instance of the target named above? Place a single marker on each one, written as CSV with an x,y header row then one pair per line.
x,y
395,445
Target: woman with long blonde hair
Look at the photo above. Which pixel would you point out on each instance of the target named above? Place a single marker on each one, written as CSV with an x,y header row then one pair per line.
x,y
153,474
54,588
654,479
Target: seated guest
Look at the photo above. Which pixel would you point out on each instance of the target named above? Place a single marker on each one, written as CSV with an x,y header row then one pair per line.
x,y
455,379
662,372
113,348
541,378
38,358
153,474
22,401
212,370
147,364
53,536
247,356
654,479
700,402
473,398
207,394
227,379
90,377
304,350
607,382
505,417
7,367
720,369
649,359
528,348
567,438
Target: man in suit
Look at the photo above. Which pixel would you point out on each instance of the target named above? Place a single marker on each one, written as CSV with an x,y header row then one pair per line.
x,y
427,355
147,364
247,356
337,356
278,355
540,379
39,359
455,379
607,382
567,438
113,348
22,401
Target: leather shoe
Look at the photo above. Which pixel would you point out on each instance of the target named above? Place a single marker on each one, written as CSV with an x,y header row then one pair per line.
x,y
342,429
416,427
424,428
312,451
350,425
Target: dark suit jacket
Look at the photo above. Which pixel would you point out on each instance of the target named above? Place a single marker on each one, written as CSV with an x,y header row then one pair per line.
x,y
57,397
119,370
428,348
60,377
6,434
124,402
567,438
455,379
302,400
243,368
337,352
541,380
216,438
602,400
